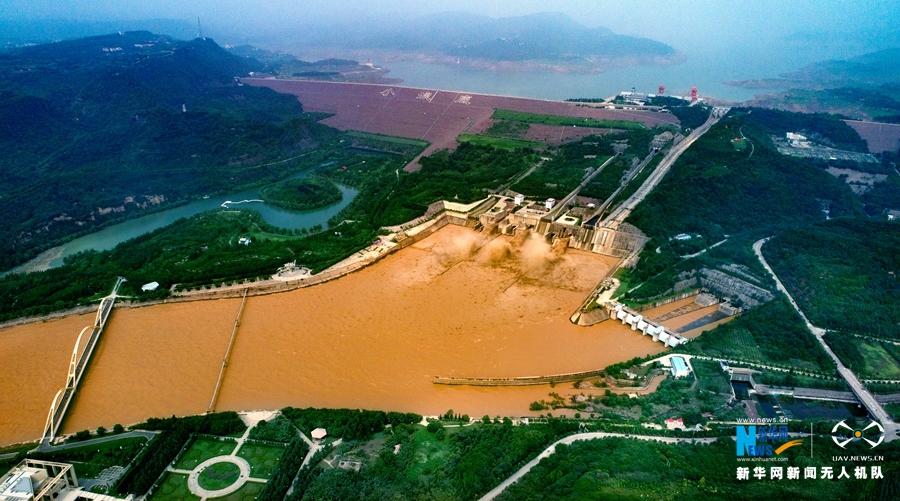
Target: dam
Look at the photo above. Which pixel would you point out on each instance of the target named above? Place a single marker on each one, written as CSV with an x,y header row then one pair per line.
x,y
457,302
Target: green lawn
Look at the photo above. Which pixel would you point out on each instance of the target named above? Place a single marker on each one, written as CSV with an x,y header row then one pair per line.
x,y
174,488
430,453
262,458
249,492
505,143
388,139
893,410
90,460
743,346
879,363
203,449
711,377
535,118
219,476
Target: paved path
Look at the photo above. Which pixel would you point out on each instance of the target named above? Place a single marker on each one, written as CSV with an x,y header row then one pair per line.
x,y
45,447
582,436
868,400
313,449
194,476
233,458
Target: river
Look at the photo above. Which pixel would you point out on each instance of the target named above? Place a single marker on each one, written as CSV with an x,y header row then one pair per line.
x,y
372,339
111,236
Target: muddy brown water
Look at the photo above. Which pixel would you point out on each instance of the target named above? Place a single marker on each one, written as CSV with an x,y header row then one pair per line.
x,y
34,359
455,304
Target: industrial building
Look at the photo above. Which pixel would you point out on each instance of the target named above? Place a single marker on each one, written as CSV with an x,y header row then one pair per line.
x,y
680,367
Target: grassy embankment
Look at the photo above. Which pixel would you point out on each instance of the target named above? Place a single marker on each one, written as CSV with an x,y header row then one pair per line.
x,y
535,118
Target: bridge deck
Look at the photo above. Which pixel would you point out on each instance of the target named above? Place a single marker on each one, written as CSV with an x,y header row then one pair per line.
x,y
58,411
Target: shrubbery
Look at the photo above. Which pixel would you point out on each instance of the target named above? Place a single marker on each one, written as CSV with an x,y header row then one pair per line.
x,y
350,424
278,484
279,429
163,449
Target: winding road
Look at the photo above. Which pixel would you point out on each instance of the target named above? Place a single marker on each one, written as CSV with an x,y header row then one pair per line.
x,y
867,399
582,436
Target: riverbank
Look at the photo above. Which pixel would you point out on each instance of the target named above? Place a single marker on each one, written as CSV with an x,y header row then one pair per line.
x,y
371,340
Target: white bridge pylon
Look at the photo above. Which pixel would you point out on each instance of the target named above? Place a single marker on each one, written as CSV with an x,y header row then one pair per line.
x,y
81,355
73,378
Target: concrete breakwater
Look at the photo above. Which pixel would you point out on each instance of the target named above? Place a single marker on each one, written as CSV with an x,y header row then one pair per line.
x,y
516,381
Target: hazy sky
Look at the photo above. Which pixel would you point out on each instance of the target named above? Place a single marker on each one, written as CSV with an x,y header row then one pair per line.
x,y
684,25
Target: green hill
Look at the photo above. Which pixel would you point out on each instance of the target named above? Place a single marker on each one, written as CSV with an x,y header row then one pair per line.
x,y
104,128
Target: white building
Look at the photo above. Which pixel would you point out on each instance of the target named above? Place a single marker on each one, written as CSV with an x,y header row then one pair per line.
x,y
34,480
150,287
318,433
518,199
680,367
244,241
550,203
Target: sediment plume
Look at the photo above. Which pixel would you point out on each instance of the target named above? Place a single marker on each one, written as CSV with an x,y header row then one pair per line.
x,y
450,252
519,238
560,246
536,255
371,340
489,229
495,253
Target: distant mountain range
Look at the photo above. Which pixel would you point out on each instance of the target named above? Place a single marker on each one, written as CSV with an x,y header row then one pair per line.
x,y
872,69
865,87
539,41
22,32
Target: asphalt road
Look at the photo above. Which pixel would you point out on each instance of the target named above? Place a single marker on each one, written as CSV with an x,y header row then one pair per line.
x,y
867,399
45,447
581,436
618,216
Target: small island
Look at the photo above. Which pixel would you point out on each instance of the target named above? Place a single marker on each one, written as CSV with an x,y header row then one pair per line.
x,y
302,194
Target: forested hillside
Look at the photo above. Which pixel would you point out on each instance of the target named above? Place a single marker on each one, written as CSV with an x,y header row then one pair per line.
x,y
718,192
99,129
843,273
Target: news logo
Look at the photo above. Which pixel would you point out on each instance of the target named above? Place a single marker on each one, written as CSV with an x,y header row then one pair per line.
x,y
760,441
842,438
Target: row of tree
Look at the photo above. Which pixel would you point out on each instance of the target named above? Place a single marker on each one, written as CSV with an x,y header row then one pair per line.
x,y
279,483
162,450
349,424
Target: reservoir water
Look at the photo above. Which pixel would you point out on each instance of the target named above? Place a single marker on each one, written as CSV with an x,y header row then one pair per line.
x,y
704,67
111,236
